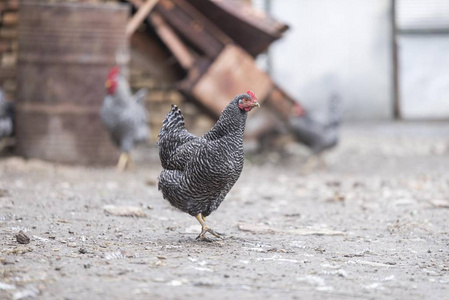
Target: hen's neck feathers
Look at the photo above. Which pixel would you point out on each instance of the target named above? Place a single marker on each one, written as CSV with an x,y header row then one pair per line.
x,y
122,92
231,122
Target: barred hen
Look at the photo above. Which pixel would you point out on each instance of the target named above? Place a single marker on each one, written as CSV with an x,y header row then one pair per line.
x,y
319,137
124,115
6,117
200,171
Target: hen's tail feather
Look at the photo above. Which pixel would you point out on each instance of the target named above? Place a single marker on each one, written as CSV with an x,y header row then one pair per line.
x,y
335,110
140,95
172,135
173,121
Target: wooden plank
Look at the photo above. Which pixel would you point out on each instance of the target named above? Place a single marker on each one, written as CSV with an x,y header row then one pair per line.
x,y
139,16
251,29
9,5
12,4
173,42
8,33
233,72
10,18
136,3
7,73
281,102
193,26
151,63
5,45
252,16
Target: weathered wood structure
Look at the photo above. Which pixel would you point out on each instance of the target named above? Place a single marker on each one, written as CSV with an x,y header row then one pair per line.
x,y
65,53
215,43
202,51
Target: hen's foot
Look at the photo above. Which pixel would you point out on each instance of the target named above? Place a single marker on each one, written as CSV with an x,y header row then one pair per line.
x,y
205,229
216,234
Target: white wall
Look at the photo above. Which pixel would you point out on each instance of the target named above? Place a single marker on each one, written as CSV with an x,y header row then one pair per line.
x,y
336,45
424,59
424,80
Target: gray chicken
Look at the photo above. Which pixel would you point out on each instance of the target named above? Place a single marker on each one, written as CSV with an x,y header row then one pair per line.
x,y
319,137
200,171
124,115
6,117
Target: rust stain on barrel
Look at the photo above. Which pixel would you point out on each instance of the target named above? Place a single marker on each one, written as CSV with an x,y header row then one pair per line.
x,y
65,52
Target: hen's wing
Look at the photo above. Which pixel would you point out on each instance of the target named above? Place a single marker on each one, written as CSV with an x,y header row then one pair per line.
x,y
184,154
5,127
109,113
335,111
172,136
139,116
6,117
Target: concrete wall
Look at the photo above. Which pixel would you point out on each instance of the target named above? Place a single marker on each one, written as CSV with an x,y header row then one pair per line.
x,y
336,45
424,76
424,58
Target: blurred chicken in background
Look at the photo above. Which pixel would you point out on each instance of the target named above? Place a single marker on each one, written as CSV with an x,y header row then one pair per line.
x,y
317,136
124,115
6,120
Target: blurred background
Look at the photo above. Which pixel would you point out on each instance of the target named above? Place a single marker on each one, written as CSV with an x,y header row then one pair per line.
x,y
388,59
384,60
363,82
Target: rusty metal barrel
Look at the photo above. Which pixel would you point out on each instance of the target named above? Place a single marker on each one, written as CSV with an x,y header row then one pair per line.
x,y
65,53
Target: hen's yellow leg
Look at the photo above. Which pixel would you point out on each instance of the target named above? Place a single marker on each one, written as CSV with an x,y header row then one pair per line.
x,y
123,161
322,161
205,229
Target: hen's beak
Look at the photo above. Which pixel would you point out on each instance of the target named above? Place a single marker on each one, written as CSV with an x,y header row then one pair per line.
x,y
255,104
108,84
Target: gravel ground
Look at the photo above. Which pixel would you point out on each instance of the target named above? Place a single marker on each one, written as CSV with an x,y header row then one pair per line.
x,y
373,225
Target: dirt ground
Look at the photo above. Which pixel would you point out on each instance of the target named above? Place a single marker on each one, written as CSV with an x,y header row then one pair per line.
x,y
373,225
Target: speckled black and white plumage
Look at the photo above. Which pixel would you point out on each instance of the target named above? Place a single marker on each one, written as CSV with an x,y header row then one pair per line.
x,y
6,117
125,116
200,171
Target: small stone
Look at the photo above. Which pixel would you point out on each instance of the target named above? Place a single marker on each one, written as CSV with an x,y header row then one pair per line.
x,y
82,251
22,238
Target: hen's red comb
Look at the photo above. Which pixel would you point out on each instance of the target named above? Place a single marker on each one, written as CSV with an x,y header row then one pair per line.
x,y
113,72
253,96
